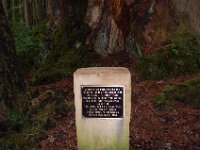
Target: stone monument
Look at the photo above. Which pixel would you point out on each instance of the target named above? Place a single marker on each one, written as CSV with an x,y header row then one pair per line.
x,y
103,107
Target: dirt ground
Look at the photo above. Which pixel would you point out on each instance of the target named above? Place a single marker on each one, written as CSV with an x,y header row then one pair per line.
x,y
150,129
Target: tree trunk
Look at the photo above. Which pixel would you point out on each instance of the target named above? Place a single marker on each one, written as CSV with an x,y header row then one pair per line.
x,y
27,15
39,10
50,8
42,10
10,79
110,22
13,9
63,8
5,6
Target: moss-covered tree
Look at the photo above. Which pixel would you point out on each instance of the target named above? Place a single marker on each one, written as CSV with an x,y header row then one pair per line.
x,y
10,79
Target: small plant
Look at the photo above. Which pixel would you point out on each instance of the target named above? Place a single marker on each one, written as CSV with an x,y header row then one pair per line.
x,y
187,92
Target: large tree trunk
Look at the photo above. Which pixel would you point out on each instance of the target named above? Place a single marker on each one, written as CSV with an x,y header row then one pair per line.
x,y
10,79
110,22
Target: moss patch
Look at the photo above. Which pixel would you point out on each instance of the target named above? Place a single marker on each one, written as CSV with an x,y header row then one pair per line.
x,y
187,92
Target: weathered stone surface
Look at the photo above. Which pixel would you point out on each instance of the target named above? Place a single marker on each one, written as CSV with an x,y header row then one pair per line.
x,y
97,133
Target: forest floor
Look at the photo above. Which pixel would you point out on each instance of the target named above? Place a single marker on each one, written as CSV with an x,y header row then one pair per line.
x,y
175,128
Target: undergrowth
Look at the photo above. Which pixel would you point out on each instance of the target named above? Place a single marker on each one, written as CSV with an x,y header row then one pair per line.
x,y
62,66
54,52
28,42
187,92
26,125
180,57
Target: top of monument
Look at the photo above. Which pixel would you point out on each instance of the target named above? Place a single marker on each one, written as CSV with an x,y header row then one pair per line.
x,y
106,70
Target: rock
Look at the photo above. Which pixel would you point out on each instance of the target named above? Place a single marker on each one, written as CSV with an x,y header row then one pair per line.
x,y
72,123
177,122
168,146
78,45
138,146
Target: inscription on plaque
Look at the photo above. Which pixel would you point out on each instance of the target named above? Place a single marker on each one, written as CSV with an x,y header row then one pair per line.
x,y
102,102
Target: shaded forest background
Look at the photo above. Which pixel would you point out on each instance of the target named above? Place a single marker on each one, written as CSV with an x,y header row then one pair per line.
x,y
42,42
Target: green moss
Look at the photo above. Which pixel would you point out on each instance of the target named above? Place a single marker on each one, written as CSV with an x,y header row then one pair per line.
x,y
16,118
187,92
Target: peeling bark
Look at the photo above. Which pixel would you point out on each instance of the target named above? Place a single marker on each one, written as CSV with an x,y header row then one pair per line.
x,y
109,21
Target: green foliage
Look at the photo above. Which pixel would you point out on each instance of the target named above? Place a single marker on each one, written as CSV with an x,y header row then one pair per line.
x,y
178,58
27,123
16,135
52,53
187,92
62,64
23,40
21,34
28,43
23,140
16,118
67,51
27,59
164,100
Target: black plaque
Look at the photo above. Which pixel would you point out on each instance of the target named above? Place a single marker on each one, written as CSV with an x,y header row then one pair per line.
x,y
102,102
